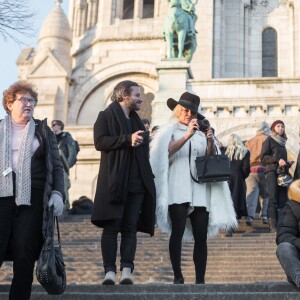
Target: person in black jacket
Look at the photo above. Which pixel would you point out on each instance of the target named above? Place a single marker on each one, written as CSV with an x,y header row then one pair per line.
x,y
125,195
297,169
31,180
274,155
288,235
240,168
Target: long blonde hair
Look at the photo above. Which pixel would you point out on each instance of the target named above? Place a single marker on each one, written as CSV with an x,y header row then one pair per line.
x,y
235,148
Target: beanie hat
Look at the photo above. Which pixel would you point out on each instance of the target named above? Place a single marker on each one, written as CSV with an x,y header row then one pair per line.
x,y
275,123
264,128
294,191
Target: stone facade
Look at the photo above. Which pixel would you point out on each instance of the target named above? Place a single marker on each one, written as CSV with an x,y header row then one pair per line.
x,y
76,67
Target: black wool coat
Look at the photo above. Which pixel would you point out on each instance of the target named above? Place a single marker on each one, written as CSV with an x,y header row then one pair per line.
x,y
240,170
297,170
114,141
288,228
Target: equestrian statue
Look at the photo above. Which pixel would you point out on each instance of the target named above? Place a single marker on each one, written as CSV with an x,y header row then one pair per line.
x,y
179,29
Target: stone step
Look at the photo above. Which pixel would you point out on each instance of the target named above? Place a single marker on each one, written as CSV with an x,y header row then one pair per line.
x,y
246,257
262,291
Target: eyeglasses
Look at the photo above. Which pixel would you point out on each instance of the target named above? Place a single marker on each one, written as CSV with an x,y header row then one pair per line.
x,y
25,100
54,124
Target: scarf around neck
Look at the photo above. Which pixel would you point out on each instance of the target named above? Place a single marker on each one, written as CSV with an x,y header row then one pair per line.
x,y
23,174
277,138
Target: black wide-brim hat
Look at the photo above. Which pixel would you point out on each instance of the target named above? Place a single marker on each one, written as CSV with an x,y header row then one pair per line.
x,y
189,101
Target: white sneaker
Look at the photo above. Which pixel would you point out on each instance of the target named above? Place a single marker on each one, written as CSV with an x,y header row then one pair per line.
x,y
110,278
126,276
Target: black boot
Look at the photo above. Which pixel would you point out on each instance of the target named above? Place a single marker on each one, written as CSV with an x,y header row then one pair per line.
x,y
272,211
179,280
229,232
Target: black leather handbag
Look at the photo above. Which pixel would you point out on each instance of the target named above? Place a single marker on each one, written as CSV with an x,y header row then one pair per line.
x,y
50,268
211,168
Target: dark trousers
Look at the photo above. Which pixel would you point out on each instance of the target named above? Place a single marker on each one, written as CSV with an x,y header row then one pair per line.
x,y
21,236
199,221
277,198
128,228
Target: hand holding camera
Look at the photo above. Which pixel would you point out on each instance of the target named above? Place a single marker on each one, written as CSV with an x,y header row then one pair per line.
x,y
136,138
204,125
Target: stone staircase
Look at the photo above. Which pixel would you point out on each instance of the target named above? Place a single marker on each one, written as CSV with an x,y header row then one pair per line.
x,y
245,261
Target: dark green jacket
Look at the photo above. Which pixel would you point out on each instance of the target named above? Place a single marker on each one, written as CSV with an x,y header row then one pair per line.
x,y
68,148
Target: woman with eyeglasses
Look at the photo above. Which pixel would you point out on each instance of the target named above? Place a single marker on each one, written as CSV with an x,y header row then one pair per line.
x,y
31,180
187,209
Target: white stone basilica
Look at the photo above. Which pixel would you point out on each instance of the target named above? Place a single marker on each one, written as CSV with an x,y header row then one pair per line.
x,y
246,67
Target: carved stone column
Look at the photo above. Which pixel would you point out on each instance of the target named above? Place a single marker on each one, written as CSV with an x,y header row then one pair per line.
x,y
294,13
246,8
80,16
138,9
217,58
91,7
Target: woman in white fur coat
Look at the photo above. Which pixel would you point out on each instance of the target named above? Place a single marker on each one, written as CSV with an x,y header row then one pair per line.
x,y
186,209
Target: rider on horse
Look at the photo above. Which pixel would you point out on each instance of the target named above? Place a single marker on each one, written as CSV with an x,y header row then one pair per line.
x,y
189,8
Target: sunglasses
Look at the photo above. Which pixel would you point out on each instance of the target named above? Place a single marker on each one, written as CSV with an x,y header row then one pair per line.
x,y
54,125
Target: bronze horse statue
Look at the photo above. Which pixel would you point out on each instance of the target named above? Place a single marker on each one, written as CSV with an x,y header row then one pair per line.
x,y
177,28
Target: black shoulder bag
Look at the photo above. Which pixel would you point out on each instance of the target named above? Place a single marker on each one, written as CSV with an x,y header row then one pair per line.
x,y
211,168
50,268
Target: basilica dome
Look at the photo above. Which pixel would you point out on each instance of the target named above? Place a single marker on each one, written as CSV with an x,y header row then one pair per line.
x,y
55,29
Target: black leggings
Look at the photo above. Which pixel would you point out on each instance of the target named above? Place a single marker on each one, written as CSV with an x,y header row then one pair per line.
x,y
199,221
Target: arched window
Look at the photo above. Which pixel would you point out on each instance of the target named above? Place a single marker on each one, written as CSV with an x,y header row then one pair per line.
x,y
148,9
269,53
128,9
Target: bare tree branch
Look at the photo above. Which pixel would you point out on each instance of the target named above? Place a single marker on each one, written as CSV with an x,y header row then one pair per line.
x,y
16,18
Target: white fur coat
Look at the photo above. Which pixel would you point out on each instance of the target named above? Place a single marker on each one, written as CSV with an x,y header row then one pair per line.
x,y
221,211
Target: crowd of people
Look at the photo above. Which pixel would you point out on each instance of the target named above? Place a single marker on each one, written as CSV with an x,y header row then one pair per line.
x,y
146,179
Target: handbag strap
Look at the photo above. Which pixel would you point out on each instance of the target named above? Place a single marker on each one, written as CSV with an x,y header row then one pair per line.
x,y
190,150
58,233
51,225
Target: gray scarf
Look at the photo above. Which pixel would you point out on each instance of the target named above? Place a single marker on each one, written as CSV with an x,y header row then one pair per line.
x,y
277,138
23,176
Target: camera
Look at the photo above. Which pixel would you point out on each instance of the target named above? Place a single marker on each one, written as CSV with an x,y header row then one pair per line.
x,y
204,125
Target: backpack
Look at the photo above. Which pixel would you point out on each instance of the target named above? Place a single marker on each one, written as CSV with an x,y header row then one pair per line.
x,y
77,147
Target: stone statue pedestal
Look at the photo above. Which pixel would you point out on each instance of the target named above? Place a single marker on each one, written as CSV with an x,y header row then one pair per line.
x,y
173,74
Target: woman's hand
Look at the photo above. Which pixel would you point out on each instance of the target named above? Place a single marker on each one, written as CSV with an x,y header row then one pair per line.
x,y
209,134
56,201
174,146
282,163
210,142
192,127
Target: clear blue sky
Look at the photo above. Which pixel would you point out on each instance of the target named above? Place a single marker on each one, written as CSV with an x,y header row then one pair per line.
x,y
10,50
